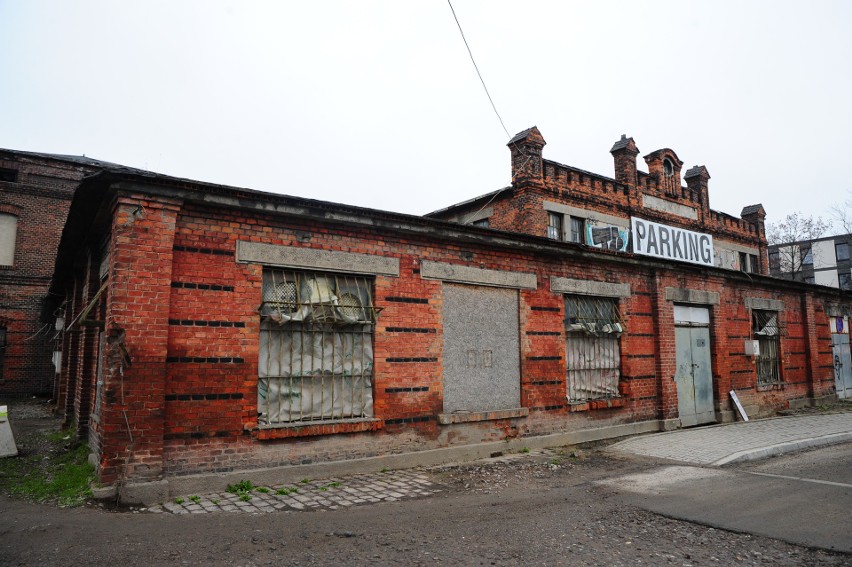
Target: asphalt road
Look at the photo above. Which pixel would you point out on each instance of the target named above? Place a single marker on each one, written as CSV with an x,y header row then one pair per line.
x,y
548,509
802,498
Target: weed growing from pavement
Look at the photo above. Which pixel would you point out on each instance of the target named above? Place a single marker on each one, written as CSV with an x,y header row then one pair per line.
x,y
525,450
195,498
179,501
262,489
305,480
241,489
65,476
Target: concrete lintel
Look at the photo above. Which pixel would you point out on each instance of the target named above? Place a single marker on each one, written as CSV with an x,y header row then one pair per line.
x,y
588,287
467,417
215,482
697,296
293,257
764,304
467,274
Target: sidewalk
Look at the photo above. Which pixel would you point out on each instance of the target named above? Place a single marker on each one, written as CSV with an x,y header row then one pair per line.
x,y
712,445
718,445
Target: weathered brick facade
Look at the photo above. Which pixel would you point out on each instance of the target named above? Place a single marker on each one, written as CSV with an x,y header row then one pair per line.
x,y
35,193
162,369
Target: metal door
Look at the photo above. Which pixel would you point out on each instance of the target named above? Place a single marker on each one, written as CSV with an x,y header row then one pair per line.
x,y
842,365
694,376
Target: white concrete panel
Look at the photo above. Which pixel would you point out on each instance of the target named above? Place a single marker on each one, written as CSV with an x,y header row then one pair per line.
x,y
823,253
826,277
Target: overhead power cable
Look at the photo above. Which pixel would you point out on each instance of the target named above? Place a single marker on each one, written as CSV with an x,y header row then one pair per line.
x,y
477,70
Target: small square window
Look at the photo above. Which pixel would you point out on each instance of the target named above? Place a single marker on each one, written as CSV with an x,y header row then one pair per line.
x,y
844,280
841,251
807,256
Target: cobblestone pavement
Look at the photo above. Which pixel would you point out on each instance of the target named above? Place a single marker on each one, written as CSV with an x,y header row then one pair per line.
x,y
327,494
722,444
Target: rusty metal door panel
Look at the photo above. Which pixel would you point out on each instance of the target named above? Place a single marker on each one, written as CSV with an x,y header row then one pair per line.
x,y
842,365
481,348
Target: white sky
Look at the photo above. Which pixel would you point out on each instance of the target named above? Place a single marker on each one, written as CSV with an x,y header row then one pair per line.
x,y
376,103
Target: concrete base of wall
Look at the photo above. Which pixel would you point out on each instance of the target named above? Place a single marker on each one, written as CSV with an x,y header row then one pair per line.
x,y
726,416
150,493
829,399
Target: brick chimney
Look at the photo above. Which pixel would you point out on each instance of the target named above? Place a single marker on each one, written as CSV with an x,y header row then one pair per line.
x,y
526,148
756,215
624,153
696,179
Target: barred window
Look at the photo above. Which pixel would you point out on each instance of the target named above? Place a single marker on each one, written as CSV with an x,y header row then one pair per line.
x,y
316,347
764,326
593,355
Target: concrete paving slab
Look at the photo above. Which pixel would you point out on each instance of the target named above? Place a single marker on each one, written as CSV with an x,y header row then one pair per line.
x,y
718,445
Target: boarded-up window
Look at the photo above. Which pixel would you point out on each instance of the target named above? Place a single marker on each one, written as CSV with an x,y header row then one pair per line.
x,y
764,325
316,347
481,349
593,358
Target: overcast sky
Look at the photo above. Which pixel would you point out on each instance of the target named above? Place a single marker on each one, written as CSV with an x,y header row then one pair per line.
x,y
377,104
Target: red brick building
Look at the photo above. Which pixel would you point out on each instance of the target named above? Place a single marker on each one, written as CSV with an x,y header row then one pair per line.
x,y
212,329
35,193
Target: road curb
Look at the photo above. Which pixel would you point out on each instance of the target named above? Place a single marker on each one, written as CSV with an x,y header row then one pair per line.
x,y
782,448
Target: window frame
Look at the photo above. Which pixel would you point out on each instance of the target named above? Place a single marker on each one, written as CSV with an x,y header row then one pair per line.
x,y
576,226
555,226
838,246
9,245
593,329
766,329
316,356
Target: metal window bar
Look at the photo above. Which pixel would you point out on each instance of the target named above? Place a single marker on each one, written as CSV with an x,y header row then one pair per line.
x,y
767,332
593,355
316,347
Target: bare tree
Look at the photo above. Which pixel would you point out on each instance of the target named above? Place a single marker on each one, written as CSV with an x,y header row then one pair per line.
x,y
841,214
791,235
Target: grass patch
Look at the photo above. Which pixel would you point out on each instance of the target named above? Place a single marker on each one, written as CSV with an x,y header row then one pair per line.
x,y
63,476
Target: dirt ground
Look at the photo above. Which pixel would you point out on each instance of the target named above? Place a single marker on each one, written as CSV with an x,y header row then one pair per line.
x,y
533,509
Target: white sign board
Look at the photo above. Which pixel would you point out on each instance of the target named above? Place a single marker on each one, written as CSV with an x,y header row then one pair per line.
x,y
672,243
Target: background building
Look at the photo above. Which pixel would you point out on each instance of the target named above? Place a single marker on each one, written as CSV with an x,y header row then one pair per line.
x,y
821,261
35,193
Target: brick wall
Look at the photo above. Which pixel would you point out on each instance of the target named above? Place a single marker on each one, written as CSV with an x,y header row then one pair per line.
x,y
184,400
39,198
536,180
